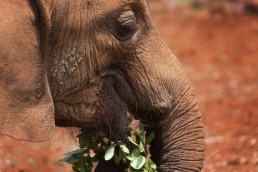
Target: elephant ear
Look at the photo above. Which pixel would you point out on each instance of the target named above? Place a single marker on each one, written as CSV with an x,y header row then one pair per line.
x,y
26,106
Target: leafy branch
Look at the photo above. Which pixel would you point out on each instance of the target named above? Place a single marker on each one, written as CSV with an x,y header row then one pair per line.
x,y
93,149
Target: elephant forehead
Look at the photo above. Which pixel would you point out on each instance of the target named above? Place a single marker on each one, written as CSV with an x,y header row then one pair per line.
x,y
108,5
93,7
81,15
113,6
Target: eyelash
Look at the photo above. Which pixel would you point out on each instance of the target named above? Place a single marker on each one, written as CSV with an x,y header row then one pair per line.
x,y
126,28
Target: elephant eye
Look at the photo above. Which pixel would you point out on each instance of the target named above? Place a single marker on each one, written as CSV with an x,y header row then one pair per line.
x,y
126,28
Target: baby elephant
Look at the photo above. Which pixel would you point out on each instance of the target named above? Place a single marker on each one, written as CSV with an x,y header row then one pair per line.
x,y
89,63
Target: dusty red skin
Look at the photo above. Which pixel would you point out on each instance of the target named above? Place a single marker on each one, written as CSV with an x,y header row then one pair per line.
x,y
219,54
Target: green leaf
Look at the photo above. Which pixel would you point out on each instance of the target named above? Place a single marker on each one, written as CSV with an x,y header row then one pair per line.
x,y
72,160
147,164
76,152
89,162
93,144
124,149
95,158
152,164
117,159
64,160
150,137
136,132
98,150
83,168
110,152
87,168
131,156
138,162
120,154
78,155
76,167
131,140
141,147
139,136
136,152
134,170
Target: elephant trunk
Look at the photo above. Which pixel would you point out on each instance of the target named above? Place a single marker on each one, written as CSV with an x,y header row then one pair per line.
x,y
169,109
178,144
157,91
166,104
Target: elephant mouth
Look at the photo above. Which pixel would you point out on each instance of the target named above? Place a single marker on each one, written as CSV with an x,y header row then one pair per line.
x,y
98,109
102,109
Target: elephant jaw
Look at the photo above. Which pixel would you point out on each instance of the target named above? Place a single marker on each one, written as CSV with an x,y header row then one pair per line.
x,y
97,109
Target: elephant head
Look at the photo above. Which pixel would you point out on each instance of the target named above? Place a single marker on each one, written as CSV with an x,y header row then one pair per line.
x,y
87,64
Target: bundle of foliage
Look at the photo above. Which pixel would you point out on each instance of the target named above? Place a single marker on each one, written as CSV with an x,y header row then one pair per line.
x,y
94,149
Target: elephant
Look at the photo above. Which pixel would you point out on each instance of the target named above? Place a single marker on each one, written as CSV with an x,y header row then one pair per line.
x,y
88,64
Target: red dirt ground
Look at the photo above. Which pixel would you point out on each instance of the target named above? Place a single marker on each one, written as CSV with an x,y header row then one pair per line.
x,y
220,55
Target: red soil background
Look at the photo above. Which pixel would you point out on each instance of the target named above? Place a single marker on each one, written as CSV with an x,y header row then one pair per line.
x,y
220,55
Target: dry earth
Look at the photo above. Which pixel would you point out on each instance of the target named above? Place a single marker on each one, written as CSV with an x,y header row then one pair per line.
x,y
220,55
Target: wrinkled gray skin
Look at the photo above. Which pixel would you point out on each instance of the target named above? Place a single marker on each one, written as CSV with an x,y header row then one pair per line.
x,y
87,64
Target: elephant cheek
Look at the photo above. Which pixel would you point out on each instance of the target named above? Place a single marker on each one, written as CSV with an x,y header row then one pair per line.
x,y
97,109
79,108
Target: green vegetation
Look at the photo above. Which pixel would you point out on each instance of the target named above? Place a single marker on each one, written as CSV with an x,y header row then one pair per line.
x,y
93,149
